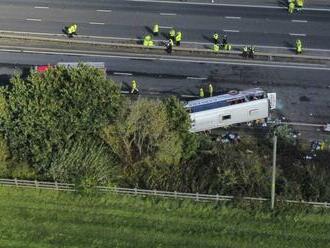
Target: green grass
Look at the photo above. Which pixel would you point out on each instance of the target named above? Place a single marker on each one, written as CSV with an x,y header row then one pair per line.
x,y
31,218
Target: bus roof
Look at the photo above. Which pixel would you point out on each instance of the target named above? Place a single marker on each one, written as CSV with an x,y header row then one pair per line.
x,y
225,97
99,65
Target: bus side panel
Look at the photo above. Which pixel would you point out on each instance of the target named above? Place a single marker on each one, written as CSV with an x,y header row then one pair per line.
x,y
238,113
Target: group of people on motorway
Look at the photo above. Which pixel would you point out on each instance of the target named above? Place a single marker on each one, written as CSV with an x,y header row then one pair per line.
x,y
217,45
295,4
201,91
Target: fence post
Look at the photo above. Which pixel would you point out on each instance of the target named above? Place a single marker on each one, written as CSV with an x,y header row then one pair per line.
x,y
175,195
36,184
217,197
155,192
135,190
197,196
56,185
16,182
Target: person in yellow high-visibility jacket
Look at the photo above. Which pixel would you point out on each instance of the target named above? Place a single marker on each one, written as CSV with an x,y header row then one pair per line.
x,y
298,46
134,88
210,89
216,47
299,4
172,34
178,38
155,29
291,7
201,93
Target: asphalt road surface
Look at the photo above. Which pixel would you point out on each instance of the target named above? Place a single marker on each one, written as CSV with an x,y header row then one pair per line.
x,y
242,23
302,91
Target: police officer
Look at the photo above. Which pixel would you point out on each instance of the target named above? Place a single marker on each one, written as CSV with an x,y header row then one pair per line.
x,y
172,34
155,30
216,38
291,7
72,29
216,47
210,89
298,46
201,93
178,38
169,46
251,51
134,88
299,4
146,40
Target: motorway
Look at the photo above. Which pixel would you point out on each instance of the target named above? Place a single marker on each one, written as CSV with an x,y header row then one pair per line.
x,y
303,90
257,24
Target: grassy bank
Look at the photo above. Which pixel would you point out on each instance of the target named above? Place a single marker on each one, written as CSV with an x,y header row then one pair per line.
x,y
30,218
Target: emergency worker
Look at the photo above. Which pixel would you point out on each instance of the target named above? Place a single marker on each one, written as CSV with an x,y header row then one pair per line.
x,y
72,29
298,46
216,47
216,38
299,4
178,38
201,93
245,51
134,88
291,7
169,46
210,89
172,34
155,30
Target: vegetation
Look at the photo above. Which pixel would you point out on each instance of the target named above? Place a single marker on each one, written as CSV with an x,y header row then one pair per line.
x,y
33,218
72,125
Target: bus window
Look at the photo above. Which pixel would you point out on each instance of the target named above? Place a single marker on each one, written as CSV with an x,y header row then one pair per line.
x,y
226,117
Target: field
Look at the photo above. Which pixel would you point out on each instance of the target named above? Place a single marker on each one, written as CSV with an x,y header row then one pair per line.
x,y
30,218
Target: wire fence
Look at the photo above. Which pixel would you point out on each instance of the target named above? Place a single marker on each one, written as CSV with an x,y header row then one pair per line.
x,y
143,192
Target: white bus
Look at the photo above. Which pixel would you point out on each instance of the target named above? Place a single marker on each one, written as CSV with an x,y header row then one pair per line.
x,y
232,108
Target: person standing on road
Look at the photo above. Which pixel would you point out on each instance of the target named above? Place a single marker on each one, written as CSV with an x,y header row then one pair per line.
x,y
172,34
155,30
216,38
298,46
201,93
210,89
178,38
169,45
299,4
291,7
134,88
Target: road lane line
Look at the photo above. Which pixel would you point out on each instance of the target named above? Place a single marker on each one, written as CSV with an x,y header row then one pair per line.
x,y
226,4
96,23
168,14
104,10
165,27
233,17
33,20
123,73
302,21
41,7
293,34
197,78
231,31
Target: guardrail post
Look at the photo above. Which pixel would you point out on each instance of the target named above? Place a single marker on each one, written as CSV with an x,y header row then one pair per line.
x,y
36,183
135,190
16,183
217,197
175,195
155,192
56,185
197,196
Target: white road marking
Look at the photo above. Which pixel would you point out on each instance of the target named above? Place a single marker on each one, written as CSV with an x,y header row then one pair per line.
x,y
33,20
292,34
165,27
96,23
104,10
168,14
232,17
226,4
302,21
123,73
41,7
231,31
197,78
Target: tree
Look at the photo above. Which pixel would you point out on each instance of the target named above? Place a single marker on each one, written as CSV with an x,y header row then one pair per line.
x,y
48,110
144,144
